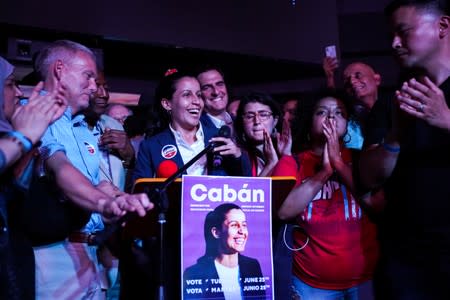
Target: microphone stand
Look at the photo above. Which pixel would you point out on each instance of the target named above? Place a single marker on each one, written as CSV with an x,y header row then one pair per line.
x,y
159,197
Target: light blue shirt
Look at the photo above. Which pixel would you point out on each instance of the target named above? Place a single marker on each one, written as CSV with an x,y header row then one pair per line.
x,y
73,137
354,138
111,165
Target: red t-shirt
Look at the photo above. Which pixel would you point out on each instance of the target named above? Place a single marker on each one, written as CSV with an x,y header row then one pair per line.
x,y
342,249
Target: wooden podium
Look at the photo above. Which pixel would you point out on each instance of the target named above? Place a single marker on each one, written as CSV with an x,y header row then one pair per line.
x,y
148,226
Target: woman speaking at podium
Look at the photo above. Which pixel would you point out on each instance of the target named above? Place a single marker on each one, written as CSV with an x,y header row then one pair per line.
x,y
183,135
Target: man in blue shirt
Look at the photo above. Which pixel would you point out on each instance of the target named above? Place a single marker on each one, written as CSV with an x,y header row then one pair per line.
x,y
69,268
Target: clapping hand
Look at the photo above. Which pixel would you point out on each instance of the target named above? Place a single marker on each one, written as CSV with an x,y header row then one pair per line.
x,y
270,153
284,140
333,145
424,100
33,118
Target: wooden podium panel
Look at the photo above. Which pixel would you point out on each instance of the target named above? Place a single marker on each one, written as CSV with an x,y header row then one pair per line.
x,y
281,187
148,226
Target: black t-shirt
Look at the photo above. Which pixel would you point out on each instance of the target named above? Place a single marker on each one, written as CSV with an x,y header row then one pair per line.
x,y
378,121
416,223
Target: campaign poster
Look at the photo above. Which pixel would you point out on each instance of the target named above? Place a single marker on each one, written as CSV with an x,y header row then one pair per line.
x,y
226,238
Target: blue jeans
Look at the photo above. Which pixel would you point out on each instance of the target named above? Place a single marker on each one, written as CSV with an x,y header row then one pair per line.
x,y
363,291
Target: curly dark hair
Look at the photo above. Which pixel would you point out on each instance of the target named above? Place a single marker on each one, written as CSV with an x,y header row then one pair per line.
x,y
302,123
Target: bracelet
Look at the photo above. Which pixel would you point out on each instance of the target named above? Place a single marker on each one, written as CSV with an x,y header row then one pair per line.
x,y
21,139
389,148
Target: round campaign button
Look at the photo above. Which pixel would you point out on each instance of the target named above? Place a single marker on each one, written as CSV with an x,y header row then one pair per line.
x,y
169,151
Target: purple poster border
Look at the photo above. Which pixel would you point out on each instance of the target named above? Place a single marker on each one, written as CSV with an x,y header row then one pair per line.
x,y
202,194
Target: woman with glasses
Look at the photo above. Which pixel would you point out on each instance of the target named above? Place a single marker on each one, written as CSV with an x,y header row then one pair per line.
x,y
257,118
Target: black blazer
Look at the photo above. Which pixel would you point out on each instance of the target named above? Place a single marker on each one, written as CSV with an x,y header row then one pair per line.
x,y
150,155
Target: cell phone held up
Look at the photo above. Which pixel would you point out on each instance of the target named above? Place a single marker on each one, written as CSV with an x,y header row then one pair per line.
x,y
330,51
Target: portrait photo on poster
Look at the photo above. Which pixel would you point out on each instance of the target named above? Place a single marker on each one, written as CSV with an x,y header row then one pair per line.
x,y
226,238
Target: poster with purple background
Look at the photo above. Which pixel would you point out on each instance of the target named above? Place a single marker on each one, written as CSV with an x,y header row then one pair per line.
x,y
226,238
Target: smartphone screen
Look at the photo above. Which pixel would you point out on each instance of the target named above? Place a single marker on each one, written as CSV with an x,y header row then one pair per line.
x,y
330,51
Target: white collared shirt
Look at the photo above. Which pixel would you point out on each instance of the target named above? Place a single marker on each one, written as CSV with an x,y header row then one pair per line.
x,y
229,279
188,152
219,122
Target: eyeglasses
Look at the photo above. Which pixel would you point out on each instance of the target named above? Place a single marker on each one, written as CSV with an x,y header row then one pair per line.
x,y
263,115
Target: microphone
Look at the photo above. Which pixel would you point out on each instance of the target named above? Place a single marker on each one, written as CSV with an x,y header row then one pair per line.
x,y
166,168
225,132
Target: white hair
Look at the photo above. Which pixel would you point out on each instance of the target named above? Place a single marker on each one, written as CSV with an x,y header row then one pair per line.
x,y
63,50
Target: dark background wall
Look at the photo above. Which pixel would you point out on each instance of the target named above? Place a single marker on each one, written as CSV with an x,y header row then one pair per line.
x,y
271,45
269,28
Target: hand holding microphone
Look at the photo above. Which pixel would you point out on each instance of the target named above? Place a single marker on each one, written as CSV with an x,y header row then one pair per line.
x,y
224,145
169,169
